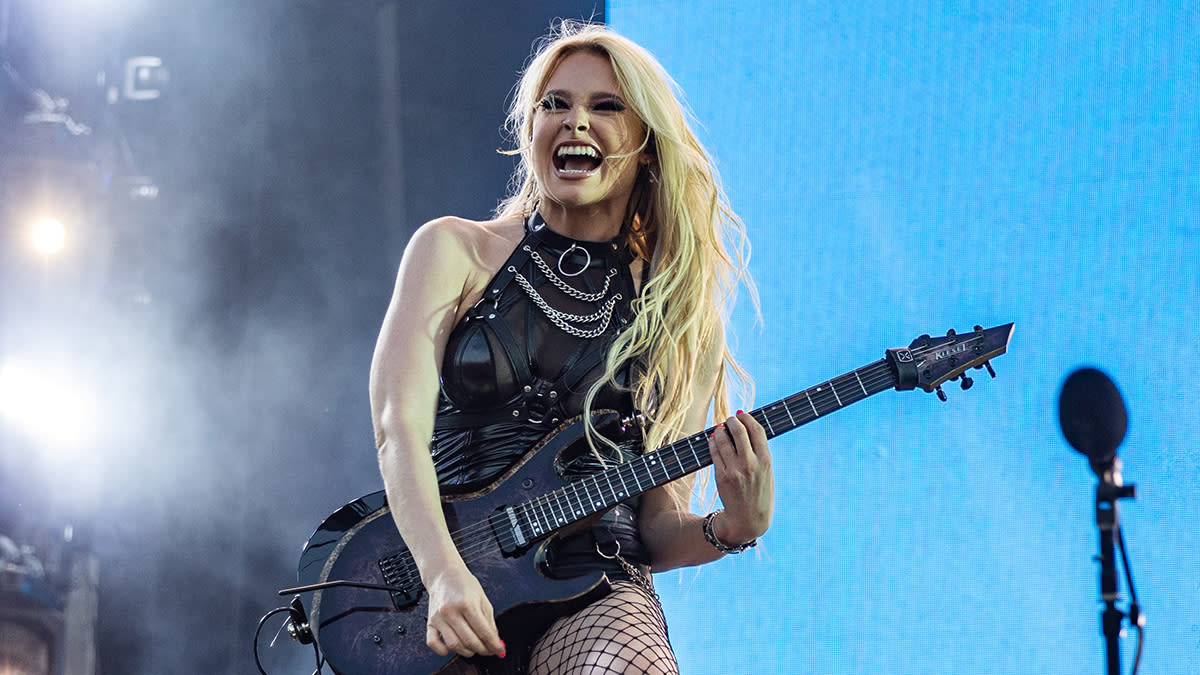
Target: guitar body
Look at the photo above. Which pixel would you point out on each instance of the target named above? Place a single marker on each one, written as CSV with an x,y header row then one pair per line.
x,y
361,630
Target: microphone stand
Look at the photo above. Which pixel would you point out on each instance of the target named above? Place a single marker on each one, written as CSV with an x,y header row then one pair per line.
x,y
1109,490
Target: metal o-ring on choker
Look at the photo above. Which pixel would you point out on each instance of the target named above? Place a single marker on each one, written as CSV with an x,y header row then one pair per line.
x,y
581,269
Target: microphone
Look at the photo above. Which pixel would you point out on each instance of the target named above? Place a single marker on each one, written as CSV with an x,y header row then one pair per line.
x,y
1092,416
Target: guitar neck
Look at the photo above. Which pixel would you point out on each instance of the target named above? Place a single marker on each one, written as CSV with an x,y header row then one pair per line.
x,y
603,490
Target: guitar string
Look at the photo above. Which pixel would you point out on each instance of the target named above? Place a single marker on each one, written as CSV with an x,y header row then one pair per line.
x,y
821,393
478,537
545,504
471,538
826,396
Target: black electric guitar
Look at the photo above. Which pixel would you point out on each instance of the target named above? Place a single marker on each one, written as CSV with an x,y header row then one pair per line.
x,y
369,609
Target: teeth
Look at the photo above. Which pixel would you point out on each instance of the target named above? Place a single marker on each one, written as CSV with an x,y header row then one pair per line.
x,y
580,150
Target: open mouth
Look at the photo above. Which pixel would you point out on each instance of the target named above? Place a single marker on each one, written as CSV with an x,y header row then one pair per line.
x,y
577,160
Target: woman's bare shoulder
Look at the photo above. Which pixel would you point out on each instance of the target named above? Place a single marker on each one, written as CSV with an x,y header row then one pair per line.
x,y
473,249
472,237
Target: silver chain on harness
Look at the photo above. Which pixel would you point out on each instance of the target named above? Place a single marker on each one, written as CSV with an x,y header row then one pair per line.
x,y
572,324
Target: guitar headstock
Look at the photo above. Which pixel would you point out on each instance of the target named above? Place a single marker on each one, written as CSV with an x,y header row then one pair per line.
x,y
929,362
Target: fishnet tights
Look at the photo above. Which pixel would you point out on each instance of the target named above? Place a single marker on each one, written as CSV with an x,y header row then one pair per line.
x,y
622,634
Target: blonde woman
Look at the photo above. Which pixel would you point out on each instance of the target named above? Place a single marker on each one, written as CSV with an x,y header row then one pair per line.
x,y
601,285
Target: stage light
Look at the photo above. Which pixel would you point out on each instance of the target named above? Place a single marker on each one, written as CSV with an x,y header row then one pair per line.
x,y
42,405
145,78
49,236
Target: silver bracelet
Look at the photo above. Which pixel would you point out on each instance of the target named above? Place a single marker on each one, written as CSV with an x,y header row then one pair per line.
x,y
711,537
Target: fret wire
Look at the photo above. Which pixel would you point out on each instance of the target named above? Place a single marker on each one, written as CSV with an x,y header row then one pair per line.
x,y
835,394
679,462
535,526
633,472
787,410
623,485
651,461
544,517
860,383
585,497
801,411
788,423
595,502
548,507
579,510
557,501
545,514
543,521
826,404
693,449
770,429
665,462
612,491
814,396
656,461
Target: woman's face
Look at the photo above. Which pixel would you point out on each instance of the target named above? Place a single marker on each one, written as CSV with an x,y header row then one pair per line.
x,y
584,136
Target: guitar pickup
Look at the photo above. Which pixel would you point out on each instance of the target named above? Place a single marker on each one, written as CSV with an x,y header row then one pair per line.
x,y
507,528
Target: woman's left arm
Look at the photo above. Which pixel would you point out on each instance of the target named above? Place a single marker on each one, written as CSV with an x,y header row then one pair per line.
x,y
745,485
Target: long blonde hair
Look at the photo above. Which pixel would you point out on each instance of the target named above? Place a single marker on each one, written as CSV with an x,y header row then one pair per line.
x,y
679,219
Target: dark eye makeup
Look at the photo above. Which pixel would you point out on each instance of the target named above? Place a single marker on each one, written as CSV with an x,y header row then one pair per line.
x,y
557,103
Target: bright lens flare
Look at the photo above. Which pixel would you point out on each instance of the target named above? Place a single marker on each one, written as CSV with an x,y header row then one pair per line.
x,y
49,236
41,406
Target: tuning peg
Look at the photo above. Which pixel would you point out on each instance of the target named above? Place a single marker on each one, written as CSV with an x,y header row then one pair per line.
x,y
940,394
988,365
966,382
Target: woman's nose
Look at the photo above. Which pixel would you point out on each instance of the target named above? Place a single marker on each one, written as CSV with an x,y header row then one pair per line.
x,y
576,119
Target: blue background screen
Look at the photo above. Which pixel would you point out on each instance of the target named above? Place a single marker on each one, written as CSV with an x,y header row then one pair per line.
x,y
907,168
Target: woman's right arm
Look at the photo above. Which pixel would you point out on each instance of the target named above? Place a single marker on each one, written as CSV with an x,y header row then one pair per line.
x,y
430,287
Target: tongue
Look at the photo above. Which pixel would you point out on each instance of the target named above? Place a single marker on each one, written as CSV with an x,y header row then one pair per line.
x,y
578,163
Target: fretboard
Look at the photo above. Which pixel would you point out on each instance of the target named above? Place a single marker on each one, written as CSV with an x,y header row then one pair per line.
x,y
605,489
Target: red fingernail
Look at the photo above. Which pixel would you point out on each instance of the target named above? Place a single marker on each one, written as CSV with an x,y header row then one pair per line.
x,y
503,649
741,411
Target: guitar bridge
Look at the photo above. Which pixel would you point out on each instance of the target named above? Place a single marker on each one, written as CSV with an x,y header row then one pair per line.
x,y
400,571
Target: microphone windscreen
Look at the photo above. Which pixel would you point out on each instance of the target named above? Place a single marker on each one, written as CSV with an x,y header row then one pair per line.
x,y
1092,414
